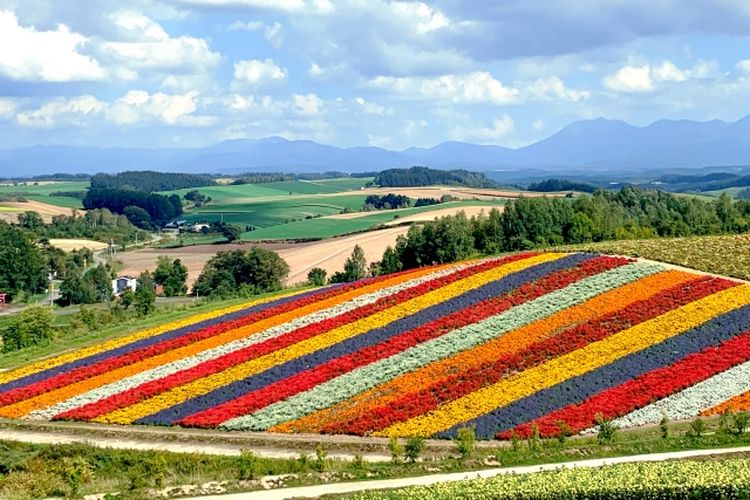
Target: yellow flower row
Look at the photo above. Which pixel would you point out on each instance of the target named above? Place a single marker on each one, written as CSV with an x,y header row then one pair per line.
x,y
212,382
119,342
45,400
573,364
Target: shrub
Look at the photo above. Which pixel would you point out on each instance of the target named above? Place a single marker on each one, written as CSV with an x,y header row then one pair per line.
x,y
320,458
664,426
396,449
465,441
246,465
413,448
741,421
607,430
31,327
697,428
563,431
317,276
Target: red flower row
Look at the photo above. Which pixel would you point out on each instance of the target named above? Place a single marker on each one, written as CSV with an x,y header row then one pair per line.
x,y
460,384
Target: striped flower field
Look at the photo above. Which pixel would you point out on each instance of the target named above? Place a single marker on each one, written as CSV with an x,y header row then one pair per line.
x,y
498,344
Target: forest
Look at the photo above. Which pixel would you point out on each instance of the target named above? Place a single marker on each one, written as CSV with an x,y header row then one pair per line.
x,y
149,182
424,176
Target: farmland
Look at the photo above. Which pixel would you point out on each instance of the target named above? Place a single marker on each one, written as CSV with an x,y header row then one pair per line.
x,y
41,192
503,345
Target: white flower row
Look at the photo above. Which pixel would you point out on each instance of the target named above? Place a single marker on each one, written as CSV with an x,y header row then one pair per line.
x,y
692,401
165,370
366,377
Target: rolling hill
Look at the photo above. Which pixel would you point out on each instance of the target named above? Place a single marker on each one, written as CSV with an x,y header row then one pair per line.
x,y
498,344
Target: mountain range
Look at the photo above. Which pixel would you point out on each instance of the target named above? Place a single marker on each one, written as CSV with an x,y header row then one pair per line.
x,y
588,145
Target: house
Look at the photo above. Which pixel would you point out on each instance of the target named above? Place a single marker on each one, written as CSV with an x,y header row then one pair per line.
x,y
122,283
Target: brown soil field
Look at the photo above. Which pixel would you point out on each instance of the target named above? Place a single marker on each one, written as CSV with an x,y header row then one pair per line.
x,y
46,210
328,254
470,211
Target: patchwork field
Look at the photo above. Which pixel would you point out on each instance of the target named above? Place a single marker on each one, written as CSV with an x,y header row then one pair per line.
x,y
498,344
9,210
42,190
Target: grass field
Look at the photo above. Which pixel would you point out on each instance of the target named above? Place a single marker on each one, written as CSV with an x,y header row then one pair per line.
x,y
41,192
728,255
330,227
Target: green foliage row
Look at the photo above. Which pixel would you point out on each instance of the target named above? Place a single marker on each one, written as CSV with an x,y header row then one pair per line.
x,y
424,176
149,182
668,480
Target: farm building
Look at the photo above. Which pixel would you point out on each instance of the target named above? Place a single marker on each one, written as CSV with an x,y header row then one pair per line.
x,y
122,283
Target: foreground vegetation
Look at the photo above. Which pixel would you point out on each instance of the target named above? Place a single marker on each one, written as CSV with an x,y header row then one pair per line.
x,y
35,471
682,479
727,254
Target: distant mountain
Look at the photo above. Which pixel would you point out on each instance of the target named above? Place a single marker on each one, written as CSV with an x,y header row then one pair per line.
x,y
588,145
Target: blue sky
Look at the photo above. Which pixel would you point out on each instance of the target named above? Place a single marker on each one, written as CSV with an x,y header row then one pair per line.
x,y
394,74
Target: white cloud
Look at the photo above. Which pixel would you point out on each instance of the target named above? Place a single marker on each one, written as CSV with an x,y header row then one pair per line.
x,y
423,17
274,33
500,128
743,66
371,108
630,79
52,56
554,88
314,70
256,73
7,108
77,111
292,6
539,125
668,72
476,87
307,105
140,106
154,50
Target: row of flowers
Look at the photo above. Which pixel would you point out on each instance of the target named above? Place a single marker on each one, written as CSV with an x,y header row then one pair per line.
x,y
534,346
194,390
350,384
484,408
152,382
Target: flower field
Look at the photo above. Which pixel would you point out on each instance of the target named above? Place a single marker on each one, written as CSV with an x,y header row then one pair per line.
x,y
499,344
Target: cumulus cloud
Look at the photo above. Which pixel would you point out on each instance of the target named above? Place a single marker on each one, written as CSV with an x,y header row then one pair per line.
x,y
307,105
7,108
78,112
500,129
274,33
554,88
253,72
135,107
152,49
291,6
51,56
743,66
475,87
644,78
372,108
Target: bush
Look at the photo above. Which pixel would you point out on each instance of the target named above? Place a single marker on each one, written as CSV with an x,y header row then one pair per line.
x,y
697,428
317,276
465,441
741,422
246,465
31,327
396,449
664,426
607,430
320,458
413,448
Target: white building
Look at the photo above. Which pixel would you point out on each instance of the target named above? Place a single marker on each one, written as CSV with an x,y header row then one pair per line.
x,y
123,283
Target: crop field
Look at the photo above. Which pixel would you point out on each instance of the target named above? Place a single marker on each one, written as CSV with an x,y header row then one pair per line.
x,y
497,344
727,255
41,193
328,227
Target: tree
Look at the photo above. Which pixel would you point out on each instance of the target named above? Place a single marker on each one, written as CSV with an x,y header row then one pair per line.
x,y
23,267
231,232
317,276
171,275
31,327
258,270
390,262
413,448
355,267
138,217
101,283
145,296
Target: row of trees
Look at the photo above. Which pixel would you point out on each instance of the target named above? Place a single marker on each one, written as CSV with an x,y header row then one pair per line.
x,y
424,176
389,201
538,222
149,182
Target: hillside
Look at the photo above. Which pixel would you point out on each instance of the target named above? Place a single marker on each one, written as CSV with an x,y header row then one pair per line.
x,y
496,344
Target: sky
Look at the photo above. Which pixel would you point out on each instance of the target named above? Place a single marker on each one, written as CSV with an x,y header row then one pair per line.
x,y
391,74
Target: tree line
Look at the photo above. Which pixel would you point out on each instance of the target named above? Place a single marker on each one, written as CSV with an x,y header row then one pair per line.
x,y
529,223
149,181
144,210
424,176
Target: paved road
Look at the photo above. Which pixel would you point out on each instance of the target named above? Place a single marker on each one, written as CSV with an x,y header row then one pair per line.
x,y
340,488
